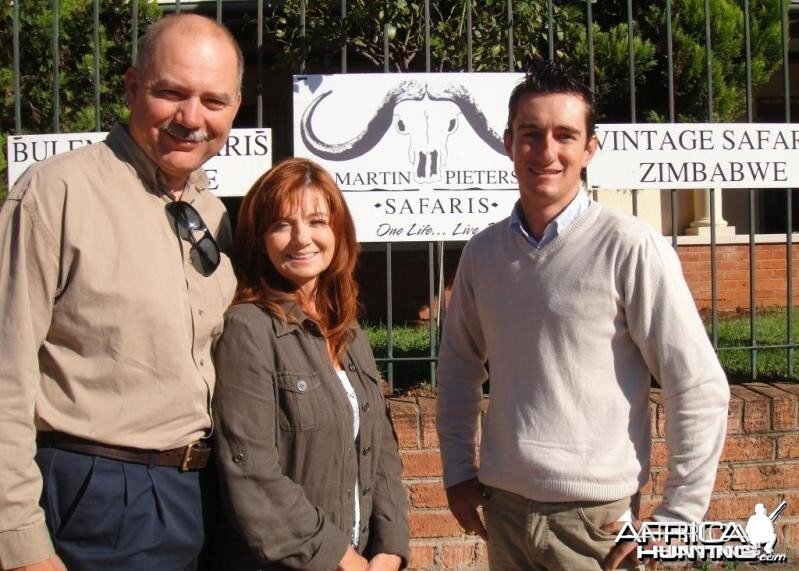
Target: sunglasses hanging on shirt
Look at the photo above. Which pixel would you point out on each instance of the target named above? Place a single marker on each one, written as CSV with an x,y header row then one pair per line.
x,y
204,254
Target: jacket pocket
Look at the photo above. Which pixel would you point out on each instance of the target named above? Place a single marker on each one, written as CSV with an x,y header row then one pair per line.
x,y
301,405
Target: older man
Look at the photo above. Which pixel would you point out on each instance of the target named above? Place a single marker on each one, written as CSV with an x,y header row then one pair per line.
x,y
574,307
114,280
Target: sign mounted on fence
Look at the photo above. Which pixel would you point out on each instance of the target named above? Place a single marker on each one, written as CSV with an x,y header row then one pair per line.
x,y
695,155
247,154
419,157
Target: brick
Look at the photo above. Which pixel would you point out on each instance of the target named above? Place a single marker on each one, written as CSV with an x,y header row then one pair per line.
x,y
405,418
428,495
784,406
765,477
422,557
739,506
656,396
660,454
723,480
649,488
458,555
790,532
421,464
481,555
756,410
427,407
647,507
433,524
748,449
788,446
735,415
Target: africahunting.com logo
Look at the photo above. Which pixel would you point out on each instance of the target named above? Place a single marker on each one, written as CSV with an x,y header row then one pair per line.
x,y
708,540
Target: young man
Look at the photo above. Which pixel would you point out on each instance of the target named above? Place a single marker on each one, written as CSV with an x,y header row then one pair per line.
x,y
573,306
114,280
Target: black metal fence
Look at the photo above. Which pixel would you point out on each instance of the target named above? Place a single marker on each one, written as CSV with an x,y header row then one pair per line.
x,y
274,32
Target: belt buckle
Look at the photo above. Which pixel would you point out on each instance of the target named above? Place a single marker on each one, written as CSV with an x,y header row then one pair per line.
x,y
184,463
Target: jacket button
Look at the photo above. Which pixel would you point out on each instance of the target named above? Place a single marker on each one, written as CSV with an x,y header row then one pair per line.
x,y
366,490
366,450
238,457
351,367
365,407
301,386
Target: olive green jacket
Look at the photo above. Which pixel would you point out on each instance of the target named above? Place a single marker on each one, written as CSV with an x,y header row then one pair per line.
x,y
286,455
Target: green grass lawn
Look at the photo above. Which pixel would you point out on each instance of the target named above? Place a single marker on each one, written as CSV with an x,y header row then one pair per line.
x,y
733,331
771,328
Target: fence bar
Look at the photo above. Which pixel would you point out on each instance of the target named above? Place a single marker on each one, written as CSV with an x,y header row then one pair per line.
x,y
631,64
385,48
431,291
752,284
177,6
259,65
389,297
712,192
469,38
427,35
389,319
631,58
589,22
713,271
670,64
550,30
788,194
510,35
56,70
303,52
134,30
709,59
752,252
96,15
17,92
346,34
670,60
219,11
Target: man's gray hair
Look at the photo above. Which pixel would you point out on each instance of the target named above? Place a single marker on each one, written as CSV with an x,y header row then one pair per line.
x,y
147,42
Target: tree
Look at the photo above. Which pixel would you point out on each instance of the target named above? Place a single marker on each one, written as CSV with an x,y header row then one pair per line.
x,y
76,66
363,32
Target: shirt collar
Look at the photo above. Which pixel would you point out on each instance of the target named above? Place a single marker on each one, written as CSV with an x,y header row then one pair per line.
x,y
120,141
576,207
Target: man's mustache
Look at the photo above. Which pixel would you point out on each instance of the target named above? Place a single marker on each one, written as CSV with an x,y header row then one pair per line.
x,y
180,132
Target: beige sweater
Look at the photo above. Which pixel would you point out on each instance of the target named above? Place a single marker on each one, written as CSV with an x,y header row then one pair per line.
x,y
572,333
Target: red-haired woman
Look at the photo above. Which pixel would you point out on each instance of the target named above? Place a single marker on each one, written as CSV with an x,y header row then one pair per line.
x,y
308,461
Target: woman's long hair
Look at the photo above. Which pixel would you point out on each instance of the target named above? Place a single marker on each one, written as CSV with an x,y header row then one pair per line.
x,y
279,191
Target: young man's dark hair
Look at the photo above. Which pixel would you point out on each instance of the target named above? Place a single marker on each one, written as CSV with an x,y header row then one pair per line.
x,y
545,77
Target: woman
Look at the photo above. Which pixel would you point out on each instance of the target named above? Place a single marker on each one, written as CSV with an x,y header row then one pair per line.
x,y
310,473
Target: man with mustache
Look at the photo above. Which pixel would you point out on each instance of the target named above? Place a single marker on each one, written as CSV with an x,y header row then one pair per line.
x,y
574,307
114,278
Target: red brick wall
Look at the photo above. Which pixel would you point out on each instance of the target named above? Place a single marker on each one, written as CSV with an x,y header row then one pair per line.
x,y
760,464
732,267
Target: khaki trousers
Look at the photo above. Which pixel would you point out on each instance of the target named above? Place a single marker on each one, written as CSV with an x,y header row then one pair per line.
x,y
530,535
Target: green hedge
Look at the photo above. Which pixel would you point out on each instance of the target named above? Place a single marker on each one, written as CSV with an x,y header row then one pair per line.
x,y
733,331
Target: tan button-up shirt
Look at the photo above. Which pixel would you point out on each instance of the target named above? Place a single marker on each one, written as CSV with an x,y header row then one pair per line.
x,y
107,326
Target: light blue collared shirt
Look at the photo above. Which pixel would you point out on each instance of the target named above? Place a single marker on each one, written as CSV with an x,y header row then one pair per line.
x,y
577,206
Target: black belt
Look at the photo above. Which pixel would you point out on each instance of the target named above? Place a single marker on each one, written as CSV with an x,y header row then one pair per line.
x,y
193,456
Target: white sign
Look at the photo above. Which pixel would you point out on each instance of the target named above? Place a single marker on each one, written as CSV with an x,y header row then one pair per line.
x,y
707,540
695,155
419,157
247,154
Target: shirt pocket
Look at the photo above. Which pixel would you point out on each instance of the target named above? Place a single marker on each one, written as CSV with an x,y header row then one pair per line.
x,y
301,401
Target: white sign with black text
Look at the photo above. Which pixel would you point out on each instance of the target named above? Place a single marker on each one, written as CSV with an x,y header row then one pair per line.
x,y
247,154
695,155
419,157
